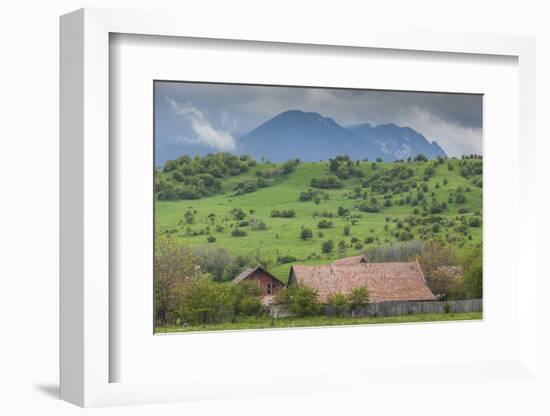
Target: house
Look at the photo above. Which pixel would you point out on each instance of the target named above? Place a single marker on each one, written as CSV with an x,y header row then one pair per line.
x,y
268,283
350,261
385,281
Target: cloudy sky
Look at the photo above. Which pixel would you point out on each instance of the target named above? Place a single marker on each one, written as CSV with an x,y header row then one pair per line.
x,y
216,115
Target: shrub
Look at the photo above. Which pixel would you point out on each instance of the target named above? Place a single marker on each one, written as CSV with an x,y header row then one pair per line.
x,y
359,297
211,239
300,300
306,234
204,302
237,232
371,207
342,212
327,246
257,225
326,182
347,230
338,301
286,259
324,224
474,221
189,216
244,298
238,214
283,214
460,198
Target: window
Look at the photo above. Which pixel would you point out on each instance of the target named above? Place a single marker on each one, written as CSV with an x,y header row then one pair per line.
x,y
269,289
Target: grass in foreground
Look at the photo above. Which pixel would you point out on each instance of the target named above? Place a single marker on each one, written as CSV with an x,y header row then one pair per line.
x,y
292,322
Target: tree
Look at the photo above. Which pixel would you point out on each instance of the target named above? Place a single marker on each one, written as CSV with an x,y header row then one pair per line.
x,y
173,264
472,264
359,297
300,300
204,302
327,246
306,234
245,298
433,257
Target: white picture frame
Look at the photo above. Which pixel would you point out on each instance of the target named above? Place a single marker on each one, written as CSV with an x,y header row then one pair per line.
x,y
85,352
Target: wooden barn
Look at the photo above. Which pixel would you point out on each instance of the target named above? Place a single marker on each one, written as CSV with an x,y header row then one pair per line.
x,y
385,281
268,283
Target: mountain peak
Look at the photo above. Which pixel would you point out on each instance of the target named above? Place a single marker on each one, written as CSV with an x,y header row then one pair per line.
x,y
312,137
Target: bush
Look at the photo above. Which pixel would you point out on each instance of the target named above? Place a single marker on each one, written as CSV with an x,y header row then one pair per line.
x,y
211,239
244,298
338,302
324,224
204,302
286,259
359,297
301,300
327,246
238,214
283,214
306,234
371,207
257,225
347,230
237,232
342,212
474,221
326,182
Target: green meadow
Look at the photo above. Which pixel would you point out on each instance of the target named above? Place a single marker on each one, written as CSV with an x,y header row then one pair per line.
x,y
264,322
449,210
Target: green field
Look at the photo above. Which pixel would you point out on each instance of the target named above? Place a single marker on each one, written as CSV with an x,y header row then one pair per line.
x,y
315,321
211,215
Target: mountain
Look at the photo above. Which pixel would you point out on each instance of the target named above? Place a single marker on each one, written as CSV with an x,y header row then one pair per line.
x,y
308,136
312,137
397,142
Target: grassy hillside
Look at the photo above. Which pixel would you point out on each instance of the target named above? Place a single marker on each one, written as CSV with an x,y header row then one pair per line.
x,y
451,211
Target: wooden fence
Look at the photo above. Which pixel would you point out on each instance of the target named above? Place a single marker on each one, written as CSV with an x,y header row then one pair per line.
x,y
394,308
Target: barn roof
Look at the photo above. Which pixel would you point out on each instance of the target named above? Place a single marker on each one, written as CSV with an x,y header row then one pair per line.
x,y
386,281
349,261
250,271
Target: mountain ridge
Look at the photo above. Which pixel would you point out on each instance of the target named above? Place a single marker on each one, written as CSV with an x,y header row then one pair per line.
x,y
312,136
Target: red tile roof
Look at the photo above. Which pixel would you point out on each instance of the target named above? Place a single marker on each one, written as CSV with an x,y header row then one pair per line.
x,y
349,261
386,281
250,271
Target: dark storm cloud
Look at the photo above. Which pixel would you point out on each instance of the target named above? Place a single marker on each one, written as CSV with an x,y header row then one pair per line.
x,y
216,114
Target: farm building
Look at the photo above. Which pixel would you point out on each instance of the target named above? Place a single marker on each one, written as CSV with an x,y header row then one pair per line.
x,y
268,283
350,261
385,281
